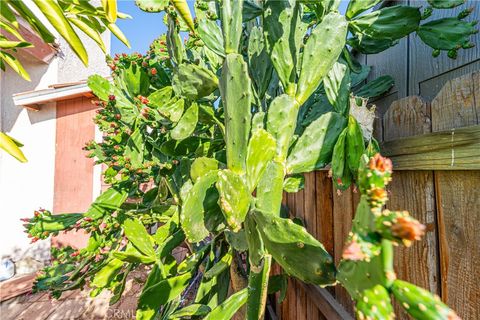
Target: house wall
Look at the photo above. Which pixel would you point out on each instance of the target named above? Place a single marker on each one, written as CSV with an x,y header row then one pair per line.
x,y
29,186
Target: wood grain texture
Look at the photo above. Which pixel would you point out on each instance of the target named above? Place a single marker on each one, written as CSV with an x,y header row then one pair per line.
x,y
458,200
73,190
342,224
324,210
406,117
455,105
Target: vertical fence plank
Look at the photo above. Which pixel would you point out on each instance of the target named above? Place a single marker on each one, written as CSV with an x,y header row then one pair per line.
x,y
413,191
342,224
299,292
458,200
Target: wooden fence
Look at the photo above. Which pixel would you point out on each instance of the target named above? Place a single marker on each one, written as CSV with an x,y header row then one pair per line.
x,y
429,124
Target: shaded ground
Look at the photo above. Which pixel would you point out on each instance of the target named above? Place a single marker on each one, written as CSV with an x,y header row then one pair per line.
x,y
74,305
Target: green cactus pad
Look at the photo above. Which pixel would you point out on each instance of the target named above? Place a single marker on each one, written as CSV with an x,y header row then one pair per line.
x,y
337,87
375,87
314,148
193,212
211,35
269,189
445,4
258,289
446,33
152,5
375,304
194,82
355,146
234,198
236,99
355,7
187,123
232,24
284,32
420,303
322,49
202,166
255,244
280,122
260,65
297,252
261,149
391,23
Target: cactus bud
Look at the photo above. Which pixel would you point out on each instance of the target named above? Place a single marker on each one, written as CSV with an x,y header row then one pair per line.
x,y
399,226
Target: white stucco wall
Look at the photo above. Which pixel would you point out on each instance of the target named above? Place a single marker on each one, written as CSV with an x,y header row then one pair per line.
x,y
27,187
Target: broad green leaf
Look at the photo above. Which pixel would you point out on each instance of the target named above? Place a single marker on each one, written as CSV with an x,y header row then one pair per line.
x,y
105,276
137,234
234,198
108,202
227,309
14,64
375,87
32,19
192,310
187,123
134,148
355,7
159,294
193,212
118,33
202,166
220,266
211,35
261,149
294,183
54,14
321,51
314,148
85,25
8,144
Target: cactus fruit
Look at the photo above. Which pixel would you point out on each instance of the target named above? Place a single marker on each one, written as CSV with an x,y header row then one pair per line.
x,y
420,303
291,246
322,49
375,304
399,226
236,100
314,148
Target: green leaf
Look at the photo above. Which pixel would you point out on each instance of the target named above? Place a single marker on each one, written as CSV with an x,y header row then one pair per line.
x,y
375,87
187,123
387,23
355,7
269,189
137,234
159,294
227,309
258,289
220,266
446,33
297,252
193,82
261,149
9,144
193,212
133,255
193,310
202,166
355,146
86,26
100,86
211,35
14,64
32,20
134,149
108,202
321,51
106,275
337,87
259,62
314,148
55,15
234,198
294,183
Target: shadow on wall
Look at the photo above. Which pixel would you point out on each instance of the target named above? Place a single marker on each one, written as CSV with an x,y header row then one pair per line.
x,y
41,75
32,259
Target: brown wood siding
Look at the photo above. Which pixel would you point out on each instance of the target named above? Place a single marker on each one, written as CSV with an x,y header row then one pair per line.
x,y
73,189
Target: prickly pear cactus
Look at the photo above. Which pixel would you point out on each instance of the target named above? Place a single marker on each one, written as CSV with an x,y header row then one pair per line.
x,y
202,137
